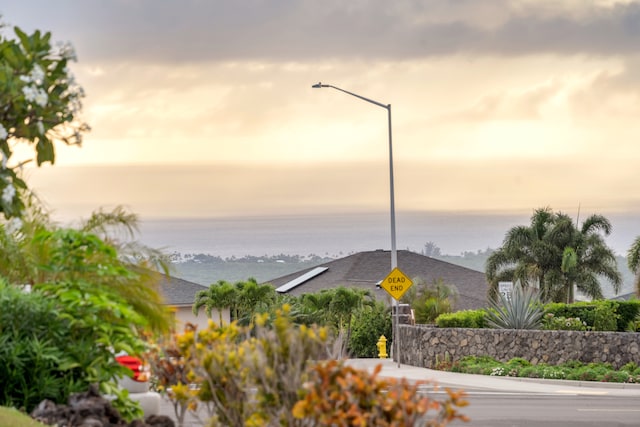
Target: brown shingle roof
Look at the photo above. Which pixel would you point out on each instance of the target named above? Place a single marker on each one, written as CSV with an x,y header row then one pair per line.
x,y
365,269
176,291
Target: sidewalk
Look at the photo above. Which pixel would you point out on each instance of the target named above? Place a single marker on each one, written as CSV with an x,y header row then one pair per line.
x,y
506,384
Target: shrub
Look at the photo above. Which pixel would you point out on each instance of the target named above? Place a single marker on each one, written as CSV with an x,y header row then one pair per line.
x,y
529,372
634,325
269,374
59,339
616,377
329,398
605,316
584,311
31,357
368,325
462,319
631,367
628,312
551,322
518,362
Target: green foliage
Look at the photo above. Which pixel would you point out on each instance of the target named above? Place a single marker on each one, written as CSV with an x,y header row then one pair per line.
x,y
633,261
557,256
578,316
632,368
634,325
462,319
369,323
243,299
58,339
41,104
428,301
628,312
30,356
585,311
560,323
571,370
335,309
606,317
99,305
474,365
74,255
521,311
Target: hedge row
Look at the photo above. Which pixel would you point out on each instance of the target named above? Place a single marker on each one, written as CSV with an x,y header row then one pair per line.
x,y
626,314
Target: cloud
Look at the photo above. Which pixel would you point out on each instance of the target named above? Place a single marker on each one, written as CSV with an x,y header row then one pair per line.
x,y
306,30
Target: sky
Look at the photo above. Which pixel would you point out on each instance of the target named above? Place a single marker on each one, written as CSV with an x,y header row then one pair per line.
x,y
206,108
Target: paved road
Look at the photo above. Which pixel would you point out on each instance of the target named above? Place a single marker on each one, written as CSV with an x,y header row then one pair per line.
x,y
515,402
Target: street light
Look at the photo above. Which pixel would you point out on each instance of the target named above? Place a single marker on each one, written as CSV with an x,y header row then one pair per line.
x,y
394,252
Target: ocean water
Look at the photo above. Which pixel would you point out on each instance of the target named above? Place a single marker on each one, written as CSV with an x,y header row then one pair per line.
x,y
342,234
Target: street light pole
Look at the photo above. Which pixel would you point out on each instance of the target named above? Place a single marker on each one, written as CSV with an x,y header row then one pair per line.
x,y
392,203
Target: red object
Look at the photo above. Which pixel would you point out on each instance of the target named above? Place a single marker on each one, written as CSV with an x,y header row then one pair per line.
x,y
136,365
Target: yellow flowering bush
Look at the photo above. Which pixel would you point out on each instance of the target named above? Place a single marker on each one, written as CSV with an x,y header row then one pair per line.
x,y
275,373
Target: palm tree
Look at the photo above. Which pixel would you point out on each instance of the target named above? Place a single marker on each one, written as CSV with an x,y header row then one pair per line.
x,y
526,256
219,295
315,308
118,228
344,303
588,258
633,260
335,308
428,301
552,254
254,298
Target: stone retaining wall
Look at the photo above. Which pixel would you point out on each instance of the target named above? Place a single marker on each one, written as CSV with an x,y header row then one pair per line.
x,y
423,346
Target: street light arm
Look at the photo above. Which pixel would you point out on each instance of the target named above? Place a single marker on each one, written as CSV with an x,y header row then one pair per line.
x,y
379,104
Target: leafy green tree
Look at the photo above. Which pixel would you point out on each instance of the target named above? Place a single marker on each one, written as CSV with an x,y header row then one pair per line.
x,y
633,260
552,254
40,252
41,103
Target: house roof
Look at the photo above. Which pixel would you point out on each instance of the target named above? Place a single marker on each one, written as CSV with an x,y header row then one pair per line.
x,y
624,297
365,270
177,292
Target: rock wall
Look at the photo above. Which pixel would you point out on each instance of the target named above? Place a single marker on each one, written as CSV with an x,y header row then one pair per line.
x,y
424,345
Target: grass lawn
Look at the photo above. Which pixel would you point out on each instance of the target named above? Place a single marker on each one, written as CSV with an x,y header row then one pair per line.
x,y
10,417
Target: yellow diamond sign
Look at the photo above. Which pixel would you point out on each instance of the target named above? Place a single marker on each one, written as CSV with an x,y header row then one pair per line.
x,y
396,283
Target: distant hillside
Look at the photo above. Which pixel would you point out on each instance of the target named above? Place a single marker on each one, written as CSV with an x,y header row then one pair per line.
x,y
206,269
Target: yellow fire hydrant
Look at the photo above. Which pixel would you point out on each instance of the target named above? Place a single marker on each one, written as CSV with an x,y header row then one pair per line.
x,y
382,347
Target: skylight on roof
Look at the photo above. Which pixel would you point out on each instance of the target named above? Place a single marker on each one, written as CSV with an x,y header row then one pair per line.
x,y
301,279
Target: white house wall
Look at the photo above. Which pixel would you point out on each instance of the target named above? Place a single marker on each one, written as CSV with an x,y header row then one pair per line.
x,y
185,315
